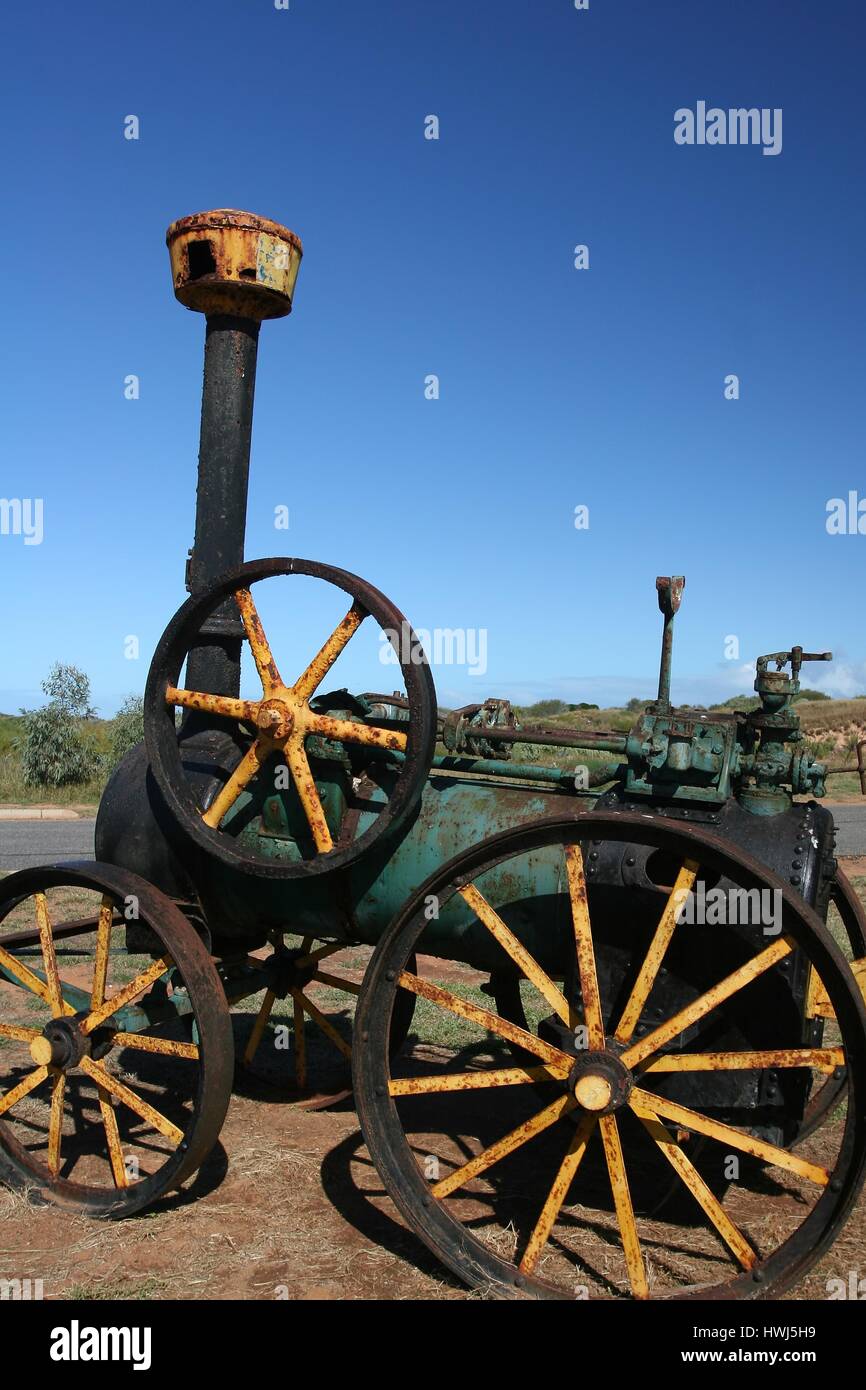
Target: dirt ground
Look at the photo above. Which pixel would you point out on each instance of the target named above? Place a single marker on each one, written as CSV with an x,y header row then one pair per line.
x,y
288,1206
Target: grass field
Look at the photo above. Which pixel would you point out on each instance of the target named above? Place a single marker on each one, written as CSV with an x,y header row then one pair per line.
x,y
97,733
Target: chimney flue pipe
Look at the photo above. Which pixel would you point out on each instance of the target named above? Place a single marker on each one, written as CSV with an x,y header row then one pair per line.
x,y
236,269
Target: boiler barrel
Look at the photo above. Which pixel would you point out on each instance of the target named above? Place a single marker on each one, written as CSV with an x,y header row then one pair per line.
x,y
454,813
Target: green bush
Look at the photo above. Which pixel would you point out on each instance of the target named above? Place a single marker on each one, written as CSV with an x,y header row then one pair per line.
x,y
545,707
54,753
127,728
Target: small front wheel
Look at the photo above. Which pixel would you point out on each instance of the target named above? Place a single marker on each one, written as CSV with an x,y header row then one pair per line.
x,y
116,1057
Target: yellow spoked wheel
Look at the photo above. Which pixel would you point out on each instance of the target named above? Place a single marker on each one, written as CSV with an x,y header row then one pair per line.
x,y
667,1030
300,1042
278,730
106,1100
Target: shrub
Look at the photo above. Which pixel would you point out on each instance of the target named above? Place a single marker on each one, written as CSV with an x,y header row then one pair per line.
x,y
127,728
54,753
545,707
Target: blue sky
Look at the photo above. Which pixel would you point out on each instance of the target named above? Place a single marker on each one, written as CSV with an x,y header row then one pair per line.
x,y
558,388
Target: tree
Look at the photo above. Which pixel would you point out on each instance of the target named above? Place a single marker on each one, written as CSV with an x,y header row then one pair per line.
x,y
69,688
54,752
127,729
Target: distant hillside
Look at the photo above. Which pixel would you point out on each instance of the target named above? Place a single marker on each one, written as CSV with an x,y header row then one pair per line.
x,y
832,729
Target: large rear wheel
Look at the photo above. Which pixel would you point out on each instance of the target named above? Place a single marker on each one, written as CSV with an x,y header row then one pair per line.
x,y
670,1031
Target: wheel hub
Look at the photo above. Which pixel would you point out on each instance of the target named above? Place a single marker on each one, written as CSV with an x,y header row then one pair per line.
x,y
61,1043
599,1082
287,974
275,719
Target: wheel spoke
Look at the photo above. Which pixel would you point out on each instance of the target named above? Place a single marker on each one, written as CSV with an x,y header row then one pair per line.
x,y
337,982
705,1003
22,1089
326,1026
213,704
714,1129
518,953
308,793
25,976
127,994
489,1156
55,1123
820,1059
98,1073
300,1045
103,947
312,677
112,1138
259,1026
312,956
624,1209
49,959
166,1047
14,1030
655,955
243,774
585,952
474,1080
558,1193
492,1022
350,731
682,1164
259,646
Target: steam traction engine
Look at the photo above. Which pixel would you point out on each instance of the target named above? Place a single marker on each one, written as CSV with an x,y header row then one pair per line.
x,y
647,1037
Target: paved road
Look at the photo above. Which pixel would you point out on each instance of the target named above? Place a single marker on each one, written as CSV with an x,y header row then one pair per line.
x,y
27,842
850,828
